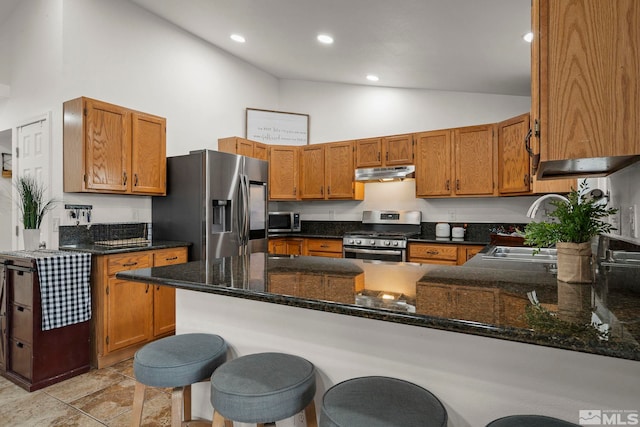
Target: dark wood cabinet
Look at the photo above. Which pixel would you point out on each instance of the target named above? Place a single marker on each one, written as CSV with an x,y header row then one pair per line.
x,y
30,357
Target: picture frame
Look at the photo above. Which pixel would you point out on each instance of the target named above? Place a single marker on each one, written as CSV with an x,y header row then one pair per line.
x,y
277,127
6,165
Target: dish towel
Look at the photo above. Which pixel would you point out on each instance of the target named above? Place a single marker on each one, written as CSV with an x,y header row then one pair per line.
x,y
65,289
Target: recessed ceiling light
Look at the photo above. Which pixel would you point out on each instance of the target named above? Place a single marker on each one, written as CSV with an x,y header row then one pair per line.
x,y
528,37
237,38
325,38
372,78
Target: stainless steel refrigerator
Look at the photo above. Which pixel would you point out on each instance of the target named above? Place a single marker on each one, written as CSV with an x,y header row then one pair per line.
x,y
217,201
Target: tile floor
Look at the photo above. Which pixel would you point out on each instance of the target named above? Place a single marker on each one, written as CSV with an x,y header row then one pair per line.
x,y
100,397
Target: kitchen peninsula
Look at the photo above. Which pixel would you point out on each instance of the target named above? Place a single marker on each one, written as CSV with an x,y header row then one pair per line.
x,y
354,317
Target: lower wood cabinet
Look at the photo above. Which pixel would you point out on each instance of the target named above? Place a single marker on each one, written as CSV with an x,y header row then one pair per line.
x,y
127,315
286,246
441,253
331,248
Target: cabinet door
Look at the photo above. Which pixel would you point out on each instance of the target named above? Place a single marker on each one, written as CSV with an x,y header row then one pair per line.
x,y
433,254
260,151
295,246
471,304
588,80
338,170
277,246
312,172
368,153
107,146
513,159
129,313
398,150
164,297
474,161
283,172
149,163
433,163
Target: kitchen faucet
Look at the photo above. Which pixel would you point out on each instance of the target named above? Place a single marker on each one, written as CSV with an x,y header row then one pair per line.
x,y
533,209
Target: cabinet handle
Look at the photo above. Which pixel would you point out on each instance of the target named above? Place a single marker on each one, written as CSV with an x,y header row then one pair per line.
x,y
19,345
448,186
324,246
295,191
378,156
171,259
124,178
433,252
322,191
135,179
527,142
526,179
457,184
130,264
386,156
329,190
146,289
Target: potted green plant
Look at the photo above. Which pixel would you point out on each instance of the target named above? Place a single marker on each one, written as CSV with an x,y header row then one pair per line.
x,y
575,223
33,207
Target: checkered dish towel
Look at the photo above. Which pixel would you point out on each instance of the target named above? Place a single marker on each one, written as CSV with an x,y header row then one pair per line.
x,y
65,289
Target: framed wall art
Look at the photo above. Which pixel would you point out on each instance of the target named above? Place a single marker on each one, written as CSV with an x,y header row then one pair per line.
x,y
6,165
277,127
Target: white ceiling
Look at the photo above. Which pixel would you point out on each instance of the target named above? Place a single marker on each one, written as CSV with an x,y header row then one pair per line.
x,y
459,45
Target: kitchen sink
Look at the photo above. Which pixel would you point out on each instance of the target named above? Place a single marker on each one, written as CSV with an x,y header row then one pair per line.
x,y
522,253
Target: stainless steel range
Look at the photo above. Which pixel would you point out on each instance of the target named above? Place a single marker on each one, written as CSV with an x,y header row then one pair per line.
x,y
383,236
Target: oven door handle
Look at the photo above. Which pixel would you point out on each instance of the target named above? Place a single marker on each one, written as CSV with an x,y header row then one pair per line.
x,y
373,251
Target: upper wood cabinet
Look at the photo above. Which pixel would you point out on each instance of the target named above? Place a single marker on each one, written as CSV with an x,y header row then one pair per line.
x,y
283,172
474,161
112,149
513,159
456,162
327,172
385,151
515,164
433,163
243,147
585,85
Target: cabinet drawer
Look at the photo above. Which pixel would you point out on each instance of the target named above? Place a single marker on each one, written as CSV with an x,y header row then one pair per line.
x,y
22,323
20,358
322,245
132,261
435,252
169,257
22,287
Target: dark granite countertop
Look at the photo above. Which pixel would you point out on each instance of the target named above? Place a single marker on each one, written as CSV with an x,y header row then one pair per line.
x,y
521,302
423,238
106,250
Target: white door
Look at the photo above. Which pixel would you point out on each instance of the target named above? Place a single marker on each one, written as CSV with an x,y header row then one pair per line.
x,y
33,157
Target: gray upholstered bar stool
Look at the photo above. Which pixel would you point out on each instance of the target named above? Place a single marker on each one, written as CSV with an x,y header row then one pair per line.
x,y
529,421
177,361
380,402
262,388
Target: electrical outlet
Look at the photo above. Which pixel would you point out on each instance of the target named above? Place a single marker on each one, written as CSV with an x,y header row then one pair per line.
x,y
614,220
633,221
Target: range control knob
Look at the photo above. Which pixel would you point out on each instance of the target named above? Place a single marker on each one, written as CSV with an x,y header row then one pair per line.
x,y
372,242
358,242
350,241
395,243
387,243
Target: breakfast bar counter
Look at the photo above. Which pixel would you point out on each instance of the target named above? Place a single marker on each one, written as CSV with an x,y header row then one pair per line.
x,y
353,318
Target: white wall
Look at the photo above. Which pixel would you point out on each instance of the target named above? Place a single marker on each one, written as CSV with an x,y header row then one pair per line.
x,y
625,192
5,197
116,52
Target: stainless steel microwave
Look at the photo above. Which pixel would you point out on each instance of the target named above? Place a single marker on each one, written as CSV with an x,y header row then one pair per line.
x,y
284,222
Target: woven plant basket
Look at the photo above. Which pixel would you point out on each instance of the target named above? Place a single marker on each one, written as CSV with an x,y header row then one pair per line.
x,y
574,262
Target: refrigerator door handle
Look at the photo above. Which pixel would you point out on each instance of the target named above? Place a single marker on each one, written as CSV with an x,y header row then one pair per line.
x,y
246,211
240,214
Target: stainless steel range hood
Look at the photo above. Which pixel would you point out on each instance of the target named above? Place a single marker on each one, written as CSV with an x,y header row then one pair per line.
x,y
385,174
